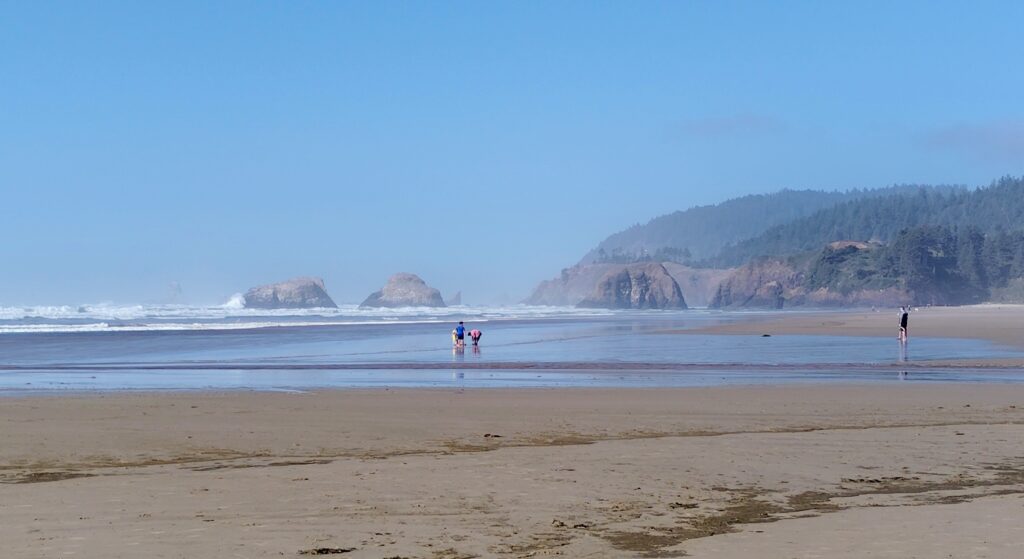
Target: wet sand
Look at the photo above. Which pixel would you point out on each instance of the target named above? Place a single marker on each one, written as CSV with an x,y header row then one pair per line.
x,y
795,471
1002,324
998,323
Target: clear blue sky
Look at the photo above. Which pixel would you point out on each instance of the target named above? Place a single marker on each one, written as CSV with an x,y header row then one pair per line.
x,y
483,145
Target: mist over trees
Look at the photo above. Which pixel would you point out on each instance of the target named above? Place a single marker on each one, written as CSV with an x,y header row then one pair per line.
x,y
943,245
700,232
881,218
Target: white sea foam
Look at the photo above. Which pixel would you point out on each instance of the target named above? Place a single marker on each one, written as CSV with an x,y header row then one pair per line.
x,y
233,316
174,327
236,302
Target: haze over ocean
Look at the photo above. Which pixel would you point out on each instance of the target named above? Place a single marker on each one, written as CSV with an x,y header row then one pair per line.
x,y
482,146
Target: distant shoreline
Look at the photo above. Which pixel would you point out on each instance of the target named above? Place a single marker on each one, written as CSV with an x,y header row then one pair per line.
x,y
999,323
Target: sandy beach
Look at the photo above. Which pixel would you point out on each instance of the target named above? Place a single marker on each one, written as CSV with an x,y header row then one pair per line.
x,y
800,471
900,469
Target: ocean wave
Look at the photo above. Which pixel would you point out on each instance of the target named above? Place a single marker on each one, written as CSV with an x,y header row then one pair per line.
x,y
174,326
236,302
233,316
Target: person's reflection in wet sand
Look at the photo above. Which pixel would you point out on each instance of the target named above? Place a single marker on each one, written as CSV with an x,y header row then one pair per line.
x,y
903,351
458,356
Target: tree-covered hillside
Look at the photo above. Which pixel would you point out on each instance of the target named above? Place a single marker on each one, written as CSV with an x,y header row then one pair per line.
x,y
997,207
700,232
937,265
921,244
927,265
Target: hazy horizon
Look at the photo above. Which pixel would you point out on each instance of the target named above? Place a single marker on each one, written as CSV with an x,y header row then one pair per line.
x,y
482,147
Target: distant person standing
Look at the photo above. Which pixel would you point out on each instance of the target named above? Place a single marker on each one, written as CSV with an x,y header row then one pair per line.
x,y
904,316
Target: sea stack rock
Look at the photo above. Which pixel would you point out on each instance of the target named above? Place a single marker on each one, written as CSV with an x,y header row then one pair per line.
x,y
405,290
765,283
636,286
572,286
297,293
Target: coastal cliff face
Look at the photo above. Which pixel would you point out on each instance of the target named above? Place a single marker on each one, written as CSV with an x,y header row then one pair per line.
x,y
405,290
577,283
776,284
571,287
766,283
636,286
699,285
296,293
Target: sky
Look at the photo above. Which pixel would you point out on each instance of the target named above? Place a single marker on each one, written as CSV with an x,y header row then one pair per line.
x,y
481,145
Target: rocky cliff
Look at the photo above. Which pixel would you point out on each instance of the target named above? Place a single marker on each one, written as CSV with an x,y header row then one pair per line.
x,y
296,293
571,287
776,283
578,282
405,290
763,283
699,285
636,286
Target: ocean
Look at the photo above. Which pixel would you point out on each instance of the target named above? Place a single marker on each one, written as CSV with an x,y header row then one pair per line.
x,y
228,347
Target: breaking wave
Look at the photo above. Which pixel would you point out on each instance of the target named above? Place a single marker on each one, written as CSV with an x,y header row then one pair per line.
x,y
236,302
233,315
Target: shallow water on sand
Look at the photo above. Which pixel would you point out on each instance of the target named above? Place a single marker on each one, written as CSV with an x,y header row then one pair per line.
x,y
620,349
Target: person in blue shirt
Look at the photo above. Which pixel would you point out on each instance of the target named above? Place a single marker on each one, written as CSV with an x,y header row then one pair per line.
x,y
460,334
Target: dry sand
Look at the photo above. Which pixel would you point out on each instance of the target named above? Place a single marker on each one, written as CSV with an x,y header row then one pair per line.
x,y
797,471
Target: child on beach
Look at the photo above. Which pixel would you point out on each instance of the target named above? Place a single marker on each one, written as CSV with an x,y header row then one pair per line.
x,y
474,335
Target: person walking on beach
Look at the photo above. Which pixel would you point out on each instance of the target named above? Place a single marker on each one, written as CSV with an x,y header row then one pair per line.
x,y
904,316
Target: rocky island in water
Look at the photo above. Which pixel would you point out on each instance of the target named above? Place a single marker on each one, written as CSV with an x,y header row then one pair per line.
x,y
296,293
405,290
